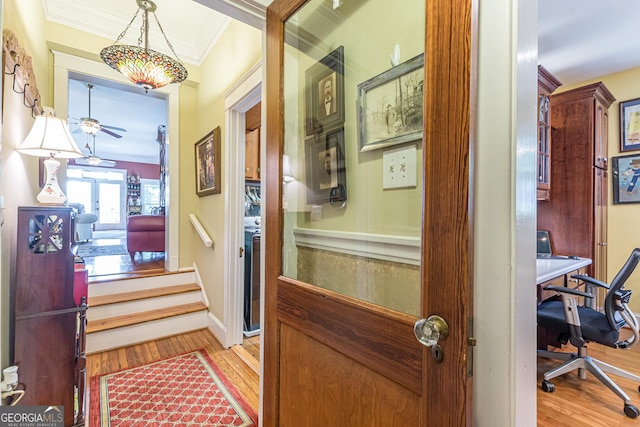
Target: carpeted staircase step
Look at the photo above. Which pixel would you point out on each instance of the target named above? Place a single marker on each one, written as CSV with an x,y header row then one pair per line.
x,y
142,317
99,300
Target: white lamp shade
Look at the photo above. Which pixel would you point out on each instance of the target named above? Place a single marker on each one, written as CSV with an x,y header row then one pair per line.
x,y
48,137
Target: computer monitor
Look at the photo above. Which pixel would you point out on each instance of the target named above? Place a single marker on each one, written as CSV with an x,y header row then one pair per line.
x,y
544,243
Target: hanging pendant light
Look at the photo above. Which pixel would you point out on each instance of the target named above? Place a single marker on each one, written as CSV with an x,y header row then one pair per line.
x,y
143,66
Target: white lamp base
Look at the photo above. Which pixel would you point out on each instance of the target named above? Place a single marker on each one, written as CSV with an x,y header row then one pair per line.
x,y
51,194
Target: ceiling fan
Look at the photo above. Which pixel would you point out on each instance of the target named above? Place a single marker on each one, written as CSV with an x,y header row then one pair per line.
x,y
92,159
92,126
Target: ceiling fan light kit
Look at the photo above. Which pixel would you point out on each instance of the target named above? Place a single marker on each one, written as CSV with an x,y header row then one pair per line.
x,y
145,67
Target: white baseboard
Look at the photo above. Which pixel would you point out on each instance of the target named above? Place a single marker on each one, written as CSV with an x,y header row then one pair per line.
x,y
217,328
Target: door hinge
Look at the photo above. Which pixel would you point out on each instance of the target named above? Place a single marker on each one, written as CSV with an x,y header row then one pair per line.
x,y
471,342
241,251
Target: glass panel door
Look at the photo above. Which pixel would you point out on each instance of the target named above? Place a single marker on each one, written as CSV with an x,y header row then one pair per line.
x,y
353,133
109,202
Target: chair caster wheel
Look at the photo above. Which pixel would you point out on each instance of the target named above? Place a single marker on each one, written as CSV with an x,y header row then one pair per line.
x,y
548,387
631,411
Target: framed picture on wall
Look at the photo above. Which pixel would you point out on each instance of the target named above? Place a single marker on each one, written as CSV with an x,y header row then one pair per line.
x,y
390,106
630,125
626,179
207,153
325,168
324,93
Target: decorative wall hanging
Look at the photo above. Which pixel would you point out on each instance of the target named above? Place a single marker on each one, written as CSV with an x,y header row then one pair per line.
x,y
18,65
630,125
626,179
390,106
208,164
325,168
324,93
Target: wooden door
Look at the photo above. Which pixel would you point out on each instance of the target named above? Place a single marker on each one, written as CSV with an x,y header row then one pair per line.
x,y
334,355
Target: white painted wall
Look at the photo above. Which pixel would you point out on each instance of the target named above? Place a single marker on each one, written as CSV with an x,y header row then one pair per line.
x,y
505,297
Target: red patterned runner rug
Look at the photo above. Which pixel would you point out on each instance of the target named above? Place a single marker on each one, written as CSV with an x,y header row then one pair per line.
x,y
185,390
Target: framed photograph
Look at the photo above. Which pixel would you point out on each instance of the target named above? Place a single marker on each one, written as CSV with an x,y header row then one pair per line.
x,y
325,168
626,179
208,164
390,106
324,93
630,125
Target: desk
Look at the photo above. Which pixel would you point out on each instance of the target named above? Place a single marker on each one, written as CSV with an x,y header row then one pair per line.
x,y
557,266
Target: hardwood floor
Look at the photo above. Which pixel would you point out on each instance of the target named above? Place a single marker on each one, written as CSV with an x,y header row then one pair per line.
x,y
109,267
239,373
588,402
574,401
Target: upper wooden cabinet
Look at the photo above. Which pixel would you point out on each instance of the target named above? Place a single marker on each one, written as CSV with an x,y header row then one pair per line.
x,y
547,84
252,155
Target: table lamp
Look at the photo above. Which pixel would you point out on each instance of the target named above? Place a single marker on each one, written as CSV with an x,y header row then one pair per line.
x,y
50,137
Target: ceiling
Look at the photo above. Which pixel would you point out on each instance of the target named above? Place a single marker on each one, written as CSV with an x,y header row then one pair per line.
x,y
580,40
577,40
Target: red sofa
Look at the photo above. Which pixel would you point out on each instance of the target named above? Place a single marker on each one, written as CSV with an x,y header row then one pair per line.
x,y
145,233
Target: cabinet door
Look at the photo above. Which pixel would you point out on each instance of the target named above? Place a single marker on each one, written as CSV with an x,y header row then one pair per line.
x,y
601,130
252,155
544,147
600,225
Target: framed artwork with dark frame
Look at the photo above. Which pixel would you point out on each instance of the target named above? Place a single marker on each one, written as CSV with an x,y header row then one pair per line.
x,y
325,168
207,153
324,93
630,125
390,106
626,179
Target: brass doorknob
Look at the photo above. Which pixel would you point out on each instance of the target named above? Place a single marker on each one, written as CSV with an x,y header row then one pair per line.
x,y
429,331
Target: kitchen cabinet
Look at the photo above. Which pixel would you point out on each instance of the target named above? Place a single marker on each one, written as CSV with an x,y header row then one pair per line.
x,y
576,211
547,84
47,323
252,155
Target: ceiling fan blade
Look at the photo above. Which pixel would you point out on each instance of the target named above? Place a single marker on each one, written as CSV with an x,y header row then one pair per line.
x,y
108,132
107,163
77,130
114,128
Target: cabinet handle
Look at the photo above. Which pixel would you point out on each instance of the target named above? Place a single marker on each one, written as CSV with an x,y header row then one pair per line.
x,y
602,243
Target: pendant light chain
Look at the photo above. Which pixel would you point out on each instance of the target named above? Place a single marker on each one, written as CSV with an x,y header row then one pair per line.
x,y
127,29
165,37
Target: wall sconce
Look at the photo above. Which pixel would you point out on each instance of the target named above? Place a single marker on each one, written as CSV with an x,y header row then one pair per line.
x,y
287,172
50,137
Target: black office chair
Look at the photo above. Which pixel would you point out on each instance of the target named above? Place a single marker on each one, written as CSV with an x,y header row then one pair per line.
x,y
580,324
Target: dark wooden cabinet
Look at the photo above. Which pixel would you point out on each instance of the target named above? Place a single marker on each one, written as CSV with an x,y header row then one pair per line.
x,y
547,84
576,212
48,325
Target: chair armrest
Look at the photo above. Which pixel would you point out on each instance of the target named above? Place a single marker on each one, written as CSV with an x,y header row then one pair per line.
x,y
568,291
590,280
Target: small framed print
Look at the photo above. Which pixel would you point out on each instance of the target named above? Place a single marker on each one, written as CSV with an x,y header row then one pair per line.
x,y
325,168
390,106
626,179
324,93
630,125
207,153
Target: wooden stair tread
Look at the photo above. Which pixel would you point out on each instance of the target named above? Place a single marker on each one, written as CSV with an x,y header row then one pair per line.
x,y
99,300
145,316
134,275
